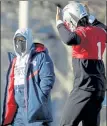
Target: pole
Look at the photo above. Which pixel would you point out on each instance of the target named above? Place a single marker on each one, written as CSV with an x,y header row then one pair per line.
x,y
23,14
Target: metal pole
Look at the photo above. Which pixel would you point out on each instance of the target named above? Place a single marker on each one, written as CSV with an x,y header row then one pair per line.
x,y
23,14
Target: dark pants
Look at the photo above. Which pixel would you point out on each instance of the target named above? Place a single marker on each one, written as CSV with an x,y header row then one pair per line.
x,y
82,106
21,115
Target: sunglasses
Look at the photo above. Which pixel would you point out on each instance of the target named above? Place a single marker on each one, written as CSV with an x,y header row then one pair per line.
x,y
20,38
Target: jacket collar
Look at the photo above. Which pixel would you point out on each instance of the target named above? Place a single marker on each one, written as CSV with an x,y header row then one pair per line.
x,y
11,56
36,48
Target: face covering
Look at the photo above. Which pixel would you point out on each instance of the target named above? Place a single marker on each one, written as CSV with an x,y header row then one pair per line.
x,y
20,44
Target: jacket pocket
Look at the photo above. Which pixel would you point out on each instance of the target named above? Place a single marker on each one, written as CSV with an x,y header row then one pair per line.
x,y
45,104
36,104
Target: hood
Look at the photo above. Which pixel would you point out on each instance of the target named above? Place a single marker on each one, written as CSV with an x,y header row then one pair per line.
x,y
26,32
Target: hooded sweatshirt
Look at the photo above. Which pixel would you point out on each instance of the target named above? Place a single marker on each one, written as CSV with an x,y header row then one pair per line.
x,y
22,60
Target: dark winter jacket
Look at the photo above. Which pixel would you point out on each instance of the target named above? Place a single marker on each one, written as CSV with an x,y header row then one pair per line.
x,y
40,78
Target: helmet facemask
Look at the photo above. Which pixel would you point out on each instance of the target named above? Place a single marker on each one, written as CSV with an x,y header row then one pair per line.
x,y
72,13
68,22
69,25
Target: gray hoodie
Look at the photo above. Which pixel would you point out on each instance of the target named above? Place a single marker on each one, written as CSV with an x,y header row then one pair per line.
x,y
29,39
22,60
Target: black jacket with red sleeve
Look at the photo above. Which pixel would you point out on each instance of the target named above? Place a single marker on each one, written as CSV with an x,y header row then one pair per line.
x,y
88,45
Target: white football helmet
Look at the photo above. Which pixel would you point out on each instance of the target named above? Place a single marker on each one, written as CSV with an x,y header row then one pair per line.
x,y
72,13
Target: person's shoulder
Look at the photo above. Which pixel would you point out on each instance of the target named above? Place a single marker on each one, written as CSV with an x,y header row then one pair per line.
x,y
98,29
93,29
39,47
39,50
11,56
99,24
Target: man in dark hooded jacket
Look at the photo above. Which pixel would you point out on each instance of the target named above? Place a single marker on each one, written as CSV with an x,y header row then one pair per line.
x,y
30,78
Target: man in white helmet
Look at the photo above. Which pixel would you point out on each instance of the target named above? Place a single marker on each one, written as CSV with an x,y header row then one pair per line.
x,y
30,78
88,45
